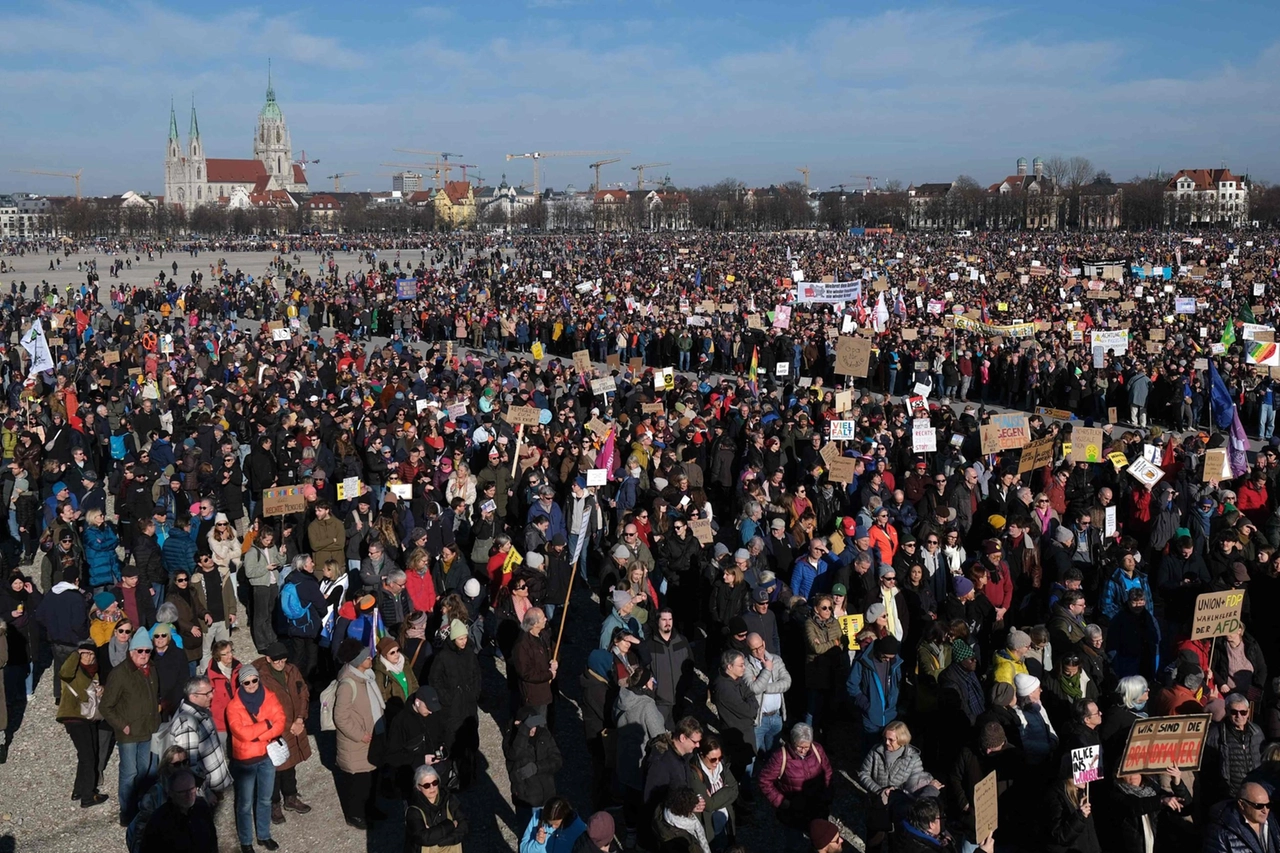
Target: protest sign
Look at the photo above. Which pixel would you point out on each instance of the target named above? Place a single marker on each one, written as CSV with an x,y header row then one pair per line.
x,y
701,530
1086,765
597,477
1158,743
1217,614
985,810
853,356
843,469
582,361
1035,455
350,488
1144,472
283,501
1086,444
850,626
404,491
537,351
843,430
523,415
924,438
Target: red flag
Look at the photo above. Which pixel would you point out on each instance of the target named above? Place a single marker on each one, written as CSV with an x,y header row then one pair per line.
x,y
82,322
72,403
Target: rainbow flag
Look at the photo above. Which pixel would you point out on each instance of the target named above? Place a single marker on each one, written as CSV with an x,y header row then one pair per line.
x,y
754,371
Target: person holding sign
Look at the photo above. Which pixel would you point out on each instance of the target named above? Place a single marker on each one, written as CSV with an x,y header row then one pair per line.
x,y
1068,820
923,832
1133,804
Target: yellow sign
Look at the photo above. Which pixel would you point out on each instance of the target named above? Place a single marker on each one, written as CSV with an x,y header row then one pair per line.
x,y
851,625
536,349
513,559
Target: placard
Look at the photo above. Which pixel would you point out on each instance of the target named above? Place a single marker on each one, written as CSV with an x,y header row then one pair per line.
x,y
924,438
1158,743
1014,431
582,361
843,401
1111,415
843,469
1144,472
597,477
1086,444
523,415
1086,765
851,625
853,355
1217,614
284,500
404,491
701,530
537,351
613,360
1215,463
1035,455
600,387
782,368
990,436
281,335
985,807
636,365
457,410
111,357
1056,414
351,488
1108,522
668,376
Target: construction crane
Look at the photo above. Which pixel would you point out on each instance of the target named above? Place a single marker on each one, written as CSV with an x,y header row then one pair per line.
x,y
639,170
804,170
871,181
75,176
438,165
535,156
337,187
464,167
303,161
595,186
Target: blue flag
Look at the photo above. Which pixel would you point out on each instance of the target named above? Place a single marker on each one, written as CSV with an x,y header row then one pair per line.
x,y
697,281
1220,405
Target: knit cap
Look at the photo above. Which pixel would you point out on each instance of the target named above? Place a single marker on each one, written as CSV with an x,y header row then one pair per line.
x,y
141,640
457,629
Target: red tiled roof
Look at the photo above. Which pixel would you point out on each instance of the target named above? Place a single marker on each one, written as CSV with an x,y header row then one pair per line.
x,y
419,197
457,191
299,174
323,201
1204,179
260,186
235,171
610,196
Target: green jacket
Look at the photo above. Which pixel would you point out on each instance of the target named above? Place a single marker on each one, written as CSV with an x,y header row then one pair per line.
x,y
76,684
132,699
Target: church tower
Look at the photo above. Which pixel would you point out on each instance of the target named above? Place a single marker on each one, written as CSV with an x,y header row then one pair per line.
x,y
271,144
174,168
196,176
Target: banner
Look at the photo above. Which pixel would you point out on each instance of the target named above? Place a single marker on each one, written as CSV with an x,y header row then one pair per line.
x,y
406,288
1110,339
1016,330
1261,352
828,291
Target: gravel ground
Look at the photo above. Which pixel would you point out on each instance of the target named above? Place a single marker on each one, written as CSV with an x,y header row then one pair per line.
x,y
35,811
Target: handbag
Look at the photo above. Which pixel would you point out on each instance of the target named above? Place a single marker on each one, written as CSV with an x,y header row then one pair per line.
x,y
437,848
278,752
89,707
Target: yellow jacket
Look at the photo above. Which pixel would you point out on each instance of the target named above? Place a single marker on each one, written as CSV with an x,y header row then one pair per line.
x,y
1006,666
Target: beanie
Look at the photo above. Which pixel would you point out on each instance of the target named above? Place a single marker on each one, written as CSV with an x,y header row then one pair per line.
x,y
1025,684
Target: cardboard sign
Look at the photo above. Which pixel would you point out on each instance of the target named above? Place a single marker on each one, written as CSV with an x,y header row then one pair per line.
x,y
1035,455
111,357
1215,463
844,401
851,625
598,426
990,435
537,351
283,501
1217,614
924,438
1086,765
523,415
613,360
1086,444
652,409
1157,743
986,813
1111,415
829,453
636,365
582,361
1056,414
600,387
1013,431
843,469
701,529
853,356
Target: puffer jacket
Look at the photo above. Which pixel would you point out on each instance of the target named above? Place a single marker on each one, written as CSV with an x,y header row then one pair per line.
x,y
100,554
295,698
250,733
639,721
786,774
876,773
532,764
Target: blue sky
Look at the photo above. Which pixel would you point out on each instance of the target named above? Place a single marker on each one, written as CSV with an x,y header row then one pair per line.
x,y
746,89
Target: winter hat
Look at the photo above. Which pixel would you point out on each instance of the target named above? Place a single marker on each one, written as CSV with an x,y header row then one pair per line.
x,y
991,546
471,588
721,550
141,640
1025,684
963,586
534,560
360,657
220,518
620,598
622,552
600,829
960,650
1018,640
737,625
886,569
742,554
1063,535
876,611
103,600
166,628
385,645
247,671
457,629
276,651
889,645
600,662
821,833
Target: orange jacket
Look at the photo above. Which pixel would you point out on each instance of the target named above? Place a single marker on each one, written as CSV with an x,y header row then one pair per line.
x,y
250,736
886,539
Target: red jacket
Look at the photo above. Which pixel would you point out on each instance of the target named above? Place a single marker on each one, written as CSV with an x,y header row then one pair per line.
x,y
1252,502
786,774
421,590
250,734
999,593
224,690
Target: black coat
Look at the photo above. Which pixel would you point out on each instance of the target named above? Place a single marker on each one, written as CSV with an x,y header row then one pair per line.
x,y
532,764
410,737
147,557
455,674
1066,830
428,825
1120,815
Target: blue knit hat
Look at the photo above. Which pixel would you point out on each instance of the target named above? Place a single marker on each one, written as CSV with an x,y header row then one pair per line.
x,y
141,640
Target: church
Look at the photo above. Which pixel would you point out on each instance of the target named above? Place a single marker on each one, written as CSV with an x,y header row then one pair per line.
x,y
192,180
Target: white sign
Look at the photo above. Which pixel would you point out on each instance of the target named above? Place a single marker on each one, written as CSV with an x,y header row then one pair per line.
x,y
1110,339
403,491
1109,522
924,438
1144,472
781,368
843,431
281,335
597,477
1086,765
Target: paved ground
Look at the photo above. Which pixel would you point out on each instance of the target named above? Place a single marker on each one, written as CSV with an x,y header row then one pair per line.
x,y
35,813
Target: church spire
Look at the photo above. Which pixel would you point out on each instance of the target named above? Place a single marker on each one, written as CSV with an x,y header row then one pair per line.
x,y
194,133
271,90
173,122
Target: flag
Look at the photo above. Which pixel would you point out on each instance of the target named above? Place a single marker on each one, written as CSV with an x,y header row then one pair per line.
x,y
986,318
82,321
604,459
697,280
881,318
1246,314
1237,446
1228,335
754,370
37,346
1221,406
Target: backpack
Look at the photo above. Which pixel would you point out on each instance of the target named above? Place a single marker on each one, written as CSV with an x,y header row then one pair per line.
x,y
297,613
118,449
329,698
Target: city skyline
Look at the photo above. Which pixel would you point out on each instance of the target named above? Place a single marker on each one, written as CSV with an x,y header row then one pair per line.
x,y
902,92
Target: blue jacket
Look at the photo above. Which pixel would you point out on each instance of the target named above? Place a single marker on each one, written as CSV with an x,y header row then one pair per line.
x,y
309,594
878,704
560,840
803,576
1115,592
64,615
100,553
178,551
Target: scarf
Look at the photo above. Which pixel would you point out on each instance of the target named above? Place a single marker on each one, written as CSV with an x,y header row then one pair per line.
x,y
1070,685
715,778
376,705
91,670
416,629
689,824
393,668
117,651
252,701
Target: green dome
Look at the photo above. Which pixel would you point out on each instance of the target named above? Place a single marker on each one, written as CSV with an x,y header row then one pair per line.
x,y
271,109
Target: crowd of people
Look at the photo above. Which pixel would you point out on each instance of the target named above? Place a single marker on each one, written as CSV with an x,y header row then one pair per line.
x,y
250,509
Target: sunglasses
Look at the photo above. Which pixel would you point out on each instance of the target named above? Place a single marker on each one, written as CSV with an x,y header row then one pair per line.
x,y
249,681
425,785
712,761
140,651
1262,807
159,636
1235,713
824,607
